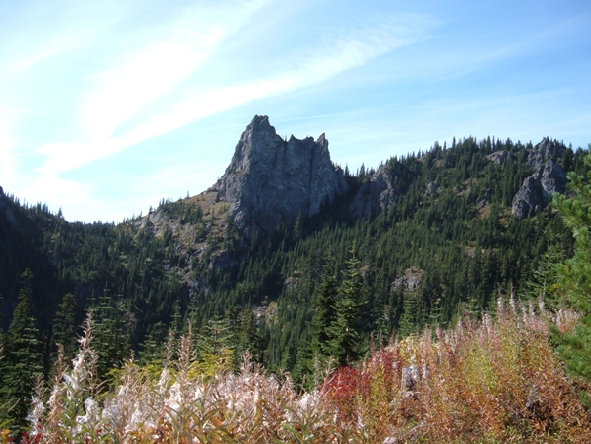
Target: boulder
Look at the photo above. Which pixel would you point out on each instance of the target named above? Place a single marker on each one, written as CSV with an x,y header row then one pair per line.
x,y
499,157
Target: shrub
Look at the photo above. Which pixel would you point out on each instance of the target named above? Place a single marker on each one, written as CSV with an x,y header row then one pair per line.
x,y
489,381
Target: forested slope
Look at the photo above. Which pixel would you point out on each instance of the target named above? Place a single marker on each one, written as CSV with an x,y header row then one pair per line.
x,y
443,240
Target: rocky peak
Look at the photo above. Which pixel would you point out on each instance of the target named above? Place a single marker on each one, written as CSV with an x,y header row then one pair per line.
x,y
548,178
543,152
271,180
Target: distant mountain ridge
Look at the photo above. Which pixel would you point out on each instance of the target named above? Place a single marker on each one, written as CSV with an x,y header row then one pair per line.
x,y
270,180
434,233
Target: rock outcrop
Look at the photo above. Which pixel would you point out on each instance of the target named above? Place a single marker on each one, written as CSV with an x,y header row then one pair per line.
x,y
384,188
410,280
271,180
548,178
499,157
545,150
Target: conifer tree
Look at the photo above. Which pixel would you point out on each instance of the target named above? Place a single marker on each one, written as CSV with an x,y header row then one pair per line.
x,y
345,331
575,274
153,349
323,310
64,326
110,338
176,322
246,337
213,347
408,320
23,355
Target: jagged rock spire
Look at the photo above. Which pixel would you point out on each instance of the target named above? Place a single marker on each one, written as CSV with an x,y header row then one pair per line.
x,y
271,180
548,178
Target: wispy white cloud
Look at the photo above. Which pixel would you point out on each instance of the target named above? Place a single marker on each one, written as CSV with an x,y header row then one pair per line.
x,y
24,64
117,94
173,53
36,31
351,50
7,148
124,91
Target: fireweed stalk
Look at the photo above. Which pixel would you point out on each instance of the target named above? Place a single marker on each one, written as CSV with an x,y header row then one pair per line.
x,y
493,380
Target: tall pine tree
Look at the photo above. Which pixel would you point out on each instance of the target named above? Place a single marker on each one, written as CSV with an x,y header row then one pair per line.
x,y
64,326
23,355
575,275
346,339
323,311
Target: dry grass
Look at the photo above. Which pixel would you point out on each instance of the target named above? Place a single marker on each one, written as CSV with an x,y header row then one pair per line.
x,y
489,381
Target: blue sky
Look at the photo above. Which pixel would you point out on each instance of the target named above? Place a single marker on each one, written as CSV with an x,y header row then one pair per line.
x,y
108,107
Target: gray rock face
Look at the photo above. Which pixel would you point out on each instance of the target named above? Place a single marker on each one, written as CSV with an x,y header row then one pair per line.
x,y
553,178
545,150
271,180
548,178
499,157
410,280
530,198
382,191
432,189
483,201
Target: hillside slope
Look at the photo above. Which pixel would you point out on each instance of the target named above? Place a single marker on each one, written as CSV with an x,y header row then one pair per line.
x,y
433,234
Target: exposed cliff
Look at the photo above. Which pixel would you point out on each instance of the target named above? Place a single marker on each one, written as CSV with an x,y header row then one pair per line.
x,y
271,180
383,189
548,178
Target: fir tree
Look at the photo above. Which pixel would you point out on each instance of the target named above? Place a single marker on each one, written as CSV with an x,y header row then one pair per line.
x,y
408,320
154,350
246,338
575,275
110,338
323,311
23,355
345,343
64,326
213,347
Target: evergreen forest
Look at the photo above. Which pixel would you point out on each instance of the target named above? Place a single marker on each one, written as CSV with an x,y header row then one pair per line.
x,y
323,293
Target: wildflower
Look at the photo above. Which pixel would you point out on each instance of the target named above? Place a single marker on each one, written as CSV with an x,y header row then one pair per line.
x,y
35,416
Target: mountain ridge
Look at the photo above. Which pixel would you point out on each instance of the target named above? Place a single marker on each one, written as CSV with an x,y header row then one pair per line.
x,y
446,214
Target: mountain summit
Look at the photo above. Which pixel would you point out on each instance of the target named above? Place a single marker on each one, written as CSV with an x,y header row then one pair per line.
x,y
271,180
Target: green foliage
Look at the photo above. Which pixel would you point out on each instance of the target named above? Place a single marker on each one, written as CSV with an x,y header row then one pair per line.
x,y
214,354
23,361
244,337
283,301
345,341
153,350
324,312
575,275
109,332
65,327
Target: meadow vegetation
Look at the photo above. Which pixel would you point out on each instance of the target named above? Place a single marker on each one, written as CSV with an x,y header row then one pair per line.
x,y
497,379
